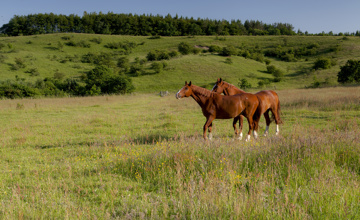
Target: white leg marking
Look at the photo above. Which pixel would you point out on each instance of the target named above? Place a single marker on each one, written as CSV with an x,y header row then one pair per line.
x,y
247,138
277,129
240,136
210,136
266,131
255,135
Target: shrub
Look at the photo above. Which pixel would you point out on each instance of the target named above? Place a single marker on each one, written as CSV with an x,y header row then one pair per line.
x,y
278,75
96,40
270,69
123,63
263,83
215,49
2,46
228,60
184,48
244,84
350,72
14,90
103,78
228,51
20,62
32,72
323,63
2,58
157,67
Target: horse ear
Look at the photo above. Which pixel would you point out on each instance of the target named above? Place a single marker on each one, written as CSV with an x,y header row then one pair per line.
x,y
190,83
220,79
185,83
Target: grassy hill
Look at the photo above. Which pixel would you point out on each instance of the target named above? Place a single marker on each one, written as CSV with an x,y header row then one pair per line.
x,y
43,55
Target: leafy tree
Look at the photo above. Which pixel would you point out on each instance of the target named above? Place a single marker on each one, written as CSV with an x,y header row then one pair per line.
x,y
350,72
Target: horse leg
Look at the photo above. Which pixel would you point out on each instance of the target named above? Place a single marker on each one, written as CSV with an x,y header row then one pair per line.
x,y
267,119
209,130
235,129
277,120
207,124
241,120
250,121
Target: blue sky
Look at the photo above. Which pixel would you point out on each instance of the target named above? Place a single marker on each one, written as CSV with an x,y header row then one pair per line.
x,y
313,16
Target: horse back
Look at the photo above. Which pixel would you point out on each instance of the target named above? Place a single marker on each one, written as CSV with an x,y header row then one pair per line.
x,y
232,106
267,99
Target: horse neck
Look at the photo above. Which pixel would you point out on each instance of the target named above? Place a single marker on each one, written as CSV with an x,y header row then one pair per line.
x,y
232,90
200,95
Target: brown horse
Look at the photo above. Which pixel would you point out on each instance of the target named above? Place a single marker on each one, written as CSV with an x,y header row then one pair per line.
x,y
268,101
217,106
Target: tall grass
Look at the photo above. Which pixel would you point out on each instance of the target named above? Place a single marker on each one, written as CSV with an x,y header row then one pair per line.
x,y
143,157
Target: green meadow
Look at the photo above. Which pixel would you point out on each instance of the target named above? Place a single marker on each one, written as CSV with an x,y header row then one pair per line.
x,y
142,156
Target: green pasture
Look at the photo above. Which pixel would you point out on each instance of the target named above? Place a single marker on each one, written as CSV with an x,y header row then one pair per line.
x,y
142,156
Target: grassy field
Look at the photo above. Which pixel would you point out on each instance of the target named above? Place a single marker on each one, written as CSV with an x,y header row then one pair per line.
x,y
143,156
44,55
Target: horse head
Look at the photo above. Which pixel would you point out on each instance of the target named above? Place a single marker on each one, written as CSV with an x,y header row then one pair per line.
x,y
219,86
184,91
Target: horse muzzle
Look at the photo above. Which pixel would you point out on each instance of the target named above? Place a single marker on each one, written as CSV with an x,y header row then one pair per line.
x,y
177,95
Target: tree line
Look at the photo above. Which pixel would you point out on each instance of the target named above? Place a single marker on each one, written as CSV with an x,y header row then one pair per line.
x,y
140,25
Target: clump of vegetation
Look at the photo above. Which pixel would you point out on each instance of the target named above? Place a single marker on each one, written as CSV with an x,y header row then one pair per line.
x,y
81,43
228,51
228,61
244,84
276,72
350,72
184,48
160,55
324,63
100,80
33,72
125,46
97,40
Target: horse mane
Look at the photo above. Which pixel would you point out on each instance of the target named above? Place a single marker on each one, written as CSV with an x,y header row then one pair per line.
x,y
201,91
232,86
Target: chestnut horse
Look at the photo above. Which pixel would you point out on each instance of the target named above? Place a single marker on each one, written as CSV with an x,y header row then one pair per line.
x,y
217,106
268,101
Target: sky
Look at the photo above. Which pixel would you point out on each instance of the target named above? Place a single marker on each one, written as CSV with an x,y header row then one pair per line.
x,y
314,16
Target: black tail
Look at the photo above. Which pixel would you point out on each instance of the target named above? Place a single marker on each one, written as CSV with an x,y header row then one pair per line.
x,y
256,118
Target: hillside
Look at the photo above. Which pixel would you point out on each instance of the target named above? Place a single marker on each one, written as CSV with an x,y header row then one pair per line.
x,y
31,58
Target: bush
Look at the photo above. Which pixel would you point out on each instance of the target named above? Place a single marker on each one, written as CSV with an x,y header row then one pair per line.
x,y
14,90
271,69
278,75
350,72
228,51
184,48
123,63
323,63
215,49
103,78
244,84
263,83
228,61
